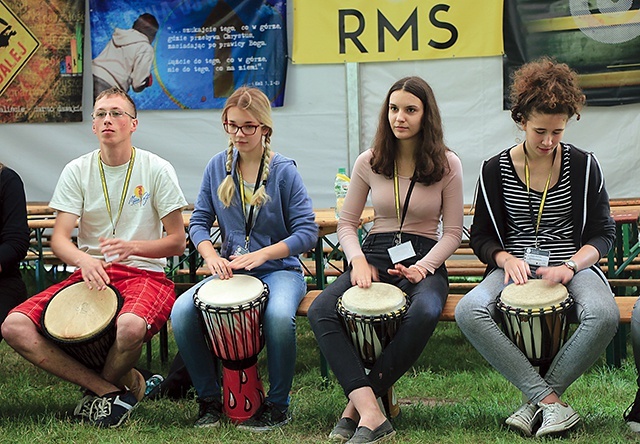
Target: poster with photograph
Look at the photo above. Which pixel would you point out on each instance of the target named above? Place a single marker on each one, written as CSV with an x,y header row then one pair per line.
x,y
599,40
189,54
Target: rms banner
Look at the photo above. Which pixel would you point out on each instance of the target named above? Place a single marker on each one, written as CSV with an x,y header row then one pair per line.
x,y
600,40
337,31
178,54
41,60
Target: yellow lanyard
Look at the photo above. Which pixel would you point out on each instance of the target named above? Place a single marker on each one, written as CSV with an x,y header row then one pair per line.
x,y
527,179
105,190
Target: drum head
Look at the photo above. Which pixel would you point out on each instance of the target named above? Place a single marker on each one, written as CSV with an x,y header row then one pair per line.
x,y
534,294
238,290
378,299
76,313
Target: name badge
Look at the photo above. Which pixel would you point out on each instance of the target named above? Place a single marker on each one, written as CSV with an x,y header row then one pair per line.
x,y
401,252
240,250
111,257
536,257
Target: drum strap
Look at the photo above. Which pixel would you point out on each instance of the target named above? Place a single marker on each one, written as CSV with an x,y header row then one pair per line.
x,y
527,178
396,193
125,187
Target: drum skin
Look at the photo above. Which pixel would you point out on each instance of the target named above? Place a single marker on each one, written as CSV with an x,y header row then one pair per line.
x,y
81,321
534,317
231,312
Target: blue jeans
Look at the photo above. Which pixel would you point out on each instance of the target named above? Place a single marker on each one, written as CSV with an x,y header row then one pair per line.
x,y
286,290
594,309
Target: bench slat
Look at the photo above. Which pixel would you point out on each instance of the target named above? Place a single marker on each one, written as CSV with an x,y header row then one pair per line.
x,y
625,304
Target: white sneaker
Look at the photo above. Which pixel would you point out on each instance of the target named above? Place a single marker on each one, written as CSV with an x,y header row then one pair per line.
x,y
524,418
556,418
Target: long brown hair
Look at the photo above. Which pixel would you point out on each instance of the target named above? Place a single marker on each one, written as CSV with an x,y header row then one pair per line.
x,y
430,154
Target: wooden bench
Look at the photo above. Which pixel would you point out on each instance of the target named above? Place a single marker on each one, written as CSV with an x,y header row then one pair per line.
x,y
625,304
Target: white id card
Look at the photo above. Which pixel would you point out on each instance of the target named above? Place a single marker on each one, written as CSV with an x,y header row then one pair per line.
x,y
401,252
536,257
111,257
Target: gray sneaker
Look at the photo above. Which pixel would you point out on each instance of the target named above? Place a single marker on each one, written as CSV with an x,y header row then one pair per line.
x,y
556,418
365,435
343,430
524,419
209,412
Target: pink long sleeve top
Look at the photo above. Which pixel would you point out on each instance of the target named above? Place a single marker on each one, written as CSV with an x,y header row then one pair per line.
x,y
435,211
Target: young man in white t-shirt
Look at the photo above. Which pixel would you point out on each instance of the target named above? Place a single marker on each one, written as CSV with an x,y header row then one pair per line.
x,y
120,198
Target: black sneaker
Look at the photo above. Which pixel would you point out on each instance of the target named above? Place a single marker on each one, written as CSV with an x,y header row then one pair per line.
x,y
112,409
632,414
266,418
209,413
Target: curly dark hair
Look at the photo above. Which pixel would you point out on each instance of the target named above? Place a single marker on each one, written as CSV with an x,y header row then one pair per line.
x,y
547,87
430,155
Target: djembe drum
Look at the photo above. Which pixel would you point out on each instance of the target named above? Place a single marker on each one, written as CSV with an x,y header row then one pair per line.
x,y
232,312
82,322
534,317
371,317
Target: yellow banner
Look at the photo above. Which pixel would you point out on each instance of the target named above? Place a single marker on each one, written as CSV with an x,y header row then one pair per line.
x,y
337,31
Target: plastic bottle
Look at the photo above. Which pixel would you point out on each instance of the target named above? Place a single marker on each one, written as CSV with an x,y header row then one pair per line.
x,y
341,186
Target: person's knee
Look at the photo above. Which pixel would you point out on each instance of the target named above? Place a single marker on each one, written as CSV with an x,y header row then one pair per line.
x,y
16,328
130,331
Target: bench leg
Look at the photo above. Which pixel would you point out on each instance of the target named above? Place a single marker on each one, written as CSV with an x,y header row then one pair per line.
x,y
617,348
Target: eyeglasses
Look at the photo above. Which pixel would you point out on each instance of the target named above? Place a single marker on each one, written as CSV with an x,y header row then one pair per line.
x,y
247,130
114,113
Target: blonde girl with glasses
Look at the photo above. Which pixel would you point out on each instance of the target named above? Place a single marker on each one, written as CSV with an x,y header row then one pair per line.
x,y
266,220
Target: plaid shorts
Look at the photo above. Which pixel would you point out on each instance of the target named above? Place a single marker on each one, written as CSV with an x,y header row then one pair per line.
x,y
146,294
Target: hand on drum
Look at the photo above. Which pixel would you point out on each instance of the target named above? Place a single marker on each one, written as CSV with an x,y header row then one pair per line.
x,y
559,273
220,266
93,272
362,274
412,274
248,261
516,270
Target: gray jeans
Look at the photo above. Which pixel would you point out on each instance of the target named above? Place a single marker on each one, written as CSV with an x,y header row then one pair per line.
x,y
594,309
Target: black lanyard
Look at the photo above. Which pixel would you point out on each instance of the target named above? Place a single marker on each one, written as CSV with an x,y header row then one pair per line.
x,y
527,178
405,207
249,220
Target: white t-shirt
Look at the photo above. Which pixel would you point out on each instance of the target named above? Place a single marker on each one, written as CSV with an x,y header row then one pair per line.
x,y
153,193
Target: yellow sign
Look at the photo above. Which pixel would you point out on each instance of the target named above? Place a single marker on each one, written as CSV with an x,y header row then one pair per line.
x,y
337,31
17,45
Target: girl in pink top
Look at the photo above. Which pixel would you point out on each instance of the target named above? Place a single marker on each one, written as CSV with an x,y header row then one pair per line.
x,y
416,190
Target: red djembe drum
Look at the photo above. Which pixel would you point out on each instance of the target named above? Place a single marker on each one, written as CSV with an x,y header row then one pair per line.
x,y
82,322
534,317
232,311
371,316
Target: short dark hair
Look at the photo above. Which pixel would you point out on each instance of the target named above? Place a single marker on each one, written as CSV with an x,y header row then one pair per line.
x,y
147,24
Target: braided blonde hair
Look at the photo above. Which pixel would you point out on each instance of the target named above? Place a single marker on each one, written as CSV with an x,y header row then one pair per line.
x,y
257,104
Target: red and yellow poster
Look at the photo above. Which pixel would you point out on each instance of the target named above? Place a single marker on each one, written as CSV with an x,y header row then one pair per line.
x,y
41,60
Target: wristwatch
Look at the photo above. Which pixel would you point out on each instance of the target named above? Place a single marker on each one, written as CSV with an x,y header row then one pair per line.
x,y
571,265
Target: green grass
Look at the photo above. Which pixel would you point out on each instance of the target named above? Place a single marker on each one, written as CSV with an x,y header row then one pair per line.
x,y
450,396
